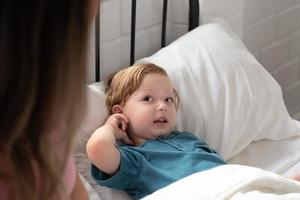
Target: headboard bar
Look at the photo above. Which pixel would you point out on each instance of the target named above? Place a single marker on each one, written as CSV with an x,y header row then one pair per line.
x,y
164,24
193,14
132,38
97,48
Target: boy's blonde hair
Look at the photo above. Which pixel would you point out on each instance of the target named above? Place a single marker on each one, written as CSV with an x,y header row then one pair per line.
x,y
120,85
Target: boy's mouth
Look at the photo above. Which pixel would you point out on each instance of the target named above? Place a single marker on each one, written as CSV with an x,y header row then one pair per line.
x,y
161,120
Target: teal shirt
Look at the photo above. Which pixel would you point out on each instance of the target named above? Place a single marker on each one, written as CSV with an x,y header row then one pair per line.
x,y
157,163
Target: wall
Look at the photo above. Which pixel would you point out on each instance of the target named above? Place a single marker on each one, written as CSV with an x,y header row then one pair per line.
x,y
272,34
269,28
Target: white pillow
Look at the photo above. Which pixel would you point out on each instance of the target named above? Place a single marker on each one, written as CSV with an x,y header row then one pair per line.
x,y
227,97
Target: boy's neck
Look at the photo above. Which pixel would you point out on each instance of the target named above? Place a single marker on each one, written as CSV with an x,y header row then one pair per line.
x,y
137,141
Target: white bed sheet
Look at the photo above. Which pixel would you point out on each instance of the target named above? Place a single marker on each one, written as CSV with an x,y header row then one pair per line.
x,y
278,156
231,182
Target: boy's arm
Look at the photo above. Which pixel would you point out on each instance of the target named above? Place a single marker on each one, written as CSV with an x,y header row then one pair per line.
x,y
102,148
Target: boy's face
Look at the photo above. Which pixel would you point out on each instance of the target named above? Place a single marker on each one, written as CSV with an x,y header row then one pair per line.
x,y
151,109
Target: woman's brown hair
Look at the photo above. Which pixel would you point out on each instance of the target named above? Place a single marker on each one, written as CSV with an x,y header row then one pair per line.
x,y
120,85
42,76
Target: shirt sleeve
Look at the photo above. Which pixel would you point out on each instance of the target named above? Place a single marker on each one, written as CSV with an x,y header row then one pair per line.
x,y
127,174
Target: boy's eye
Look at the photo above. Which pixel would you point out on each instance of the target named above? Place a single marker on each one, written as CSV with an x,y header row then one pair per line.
x,y
147,98
170,99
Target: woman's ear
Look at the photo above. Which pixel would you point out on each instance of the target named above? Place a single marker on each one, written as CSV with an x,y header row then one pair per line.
x,y
117,109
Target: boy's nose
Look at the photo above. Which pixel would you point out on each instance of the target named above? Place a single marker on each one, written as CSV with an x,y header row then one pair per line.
x,y
162,106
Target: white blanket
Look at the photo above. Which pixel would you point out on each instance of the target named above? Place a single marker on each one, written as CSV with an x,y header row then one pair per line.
x,y
231,182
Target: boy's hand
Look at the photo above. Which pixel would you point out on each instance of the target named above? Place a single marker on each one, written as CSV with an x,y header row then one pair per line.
x,y
119,123
102,148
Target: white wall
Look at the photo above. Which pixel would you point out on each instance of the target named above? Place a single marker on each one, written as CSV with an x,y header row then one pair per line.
x,y
269,28
272,34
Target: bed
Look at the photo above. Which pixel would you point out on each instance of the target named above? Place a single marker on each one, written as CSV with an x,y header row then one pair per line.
x,y
229,100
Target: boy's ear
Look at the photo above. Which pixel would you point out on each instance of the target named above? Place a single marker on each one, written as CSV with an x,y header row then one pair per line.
x,y
117,109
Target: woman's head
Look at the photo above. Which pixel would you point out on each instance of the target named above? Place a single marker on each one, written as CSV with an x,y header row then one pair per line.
x,y
119,86
42,76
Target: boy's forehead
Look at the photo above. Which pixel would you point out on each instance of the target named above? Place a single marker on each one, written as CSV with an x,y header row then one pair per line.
x,y
156,80
155,77
155,89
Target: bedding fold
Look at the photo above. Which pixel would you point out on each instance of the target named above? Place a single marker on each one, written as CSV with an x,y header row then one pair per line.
x,y
231,182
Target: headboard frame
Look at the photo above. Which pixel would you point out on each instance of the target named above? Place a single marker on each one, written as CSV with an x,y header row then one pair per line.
x,y
193,23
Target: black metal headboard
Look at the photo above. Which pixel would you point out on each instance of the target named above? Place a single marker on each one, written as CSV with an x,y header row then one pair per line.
x,y
193,23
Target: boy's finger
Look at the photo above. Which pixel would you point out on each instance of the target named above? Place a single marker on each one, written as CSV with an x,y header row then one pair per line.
x,y
124,126
121,124
122,116
126,139
125,118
